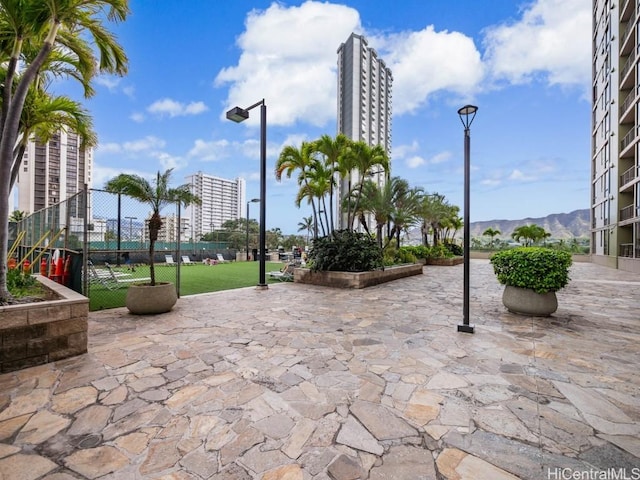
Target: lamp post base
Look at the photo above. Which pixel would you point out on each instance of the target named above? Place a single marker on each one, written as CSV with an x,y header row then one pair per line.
x,y
465,328
262,286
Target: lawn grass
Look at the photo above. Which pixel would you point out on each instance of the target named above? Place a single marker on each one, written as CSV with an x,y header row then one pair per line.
x,y
194,279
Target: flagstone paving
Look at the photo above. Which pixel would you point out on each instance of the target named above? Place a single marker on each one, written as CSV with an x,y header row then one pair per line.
x,y
301,382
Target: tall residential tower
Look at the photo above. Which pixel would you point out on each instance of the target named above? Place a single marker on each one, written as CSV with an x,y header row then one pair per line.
x,y
364,99
222,200
615,150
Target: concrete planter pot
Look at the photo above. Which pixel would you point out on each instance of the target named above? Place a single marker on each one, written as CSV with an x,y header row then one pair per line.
x,y
147,300
527,302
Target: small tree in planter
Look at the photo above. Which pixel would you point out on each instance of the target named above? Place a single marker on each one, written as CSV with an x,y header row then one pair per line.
x,y
157,196
531,276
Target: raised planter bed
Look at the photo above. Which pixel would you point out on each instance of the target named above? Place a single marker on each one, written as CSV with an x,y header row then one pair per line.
x,y
445,262
42,332
355,279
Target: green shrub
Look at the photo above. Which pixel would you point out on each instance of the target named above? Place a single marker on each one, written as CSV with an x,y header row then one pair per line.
x,y
540,269
418,251
19,283
393,256
345,251
454,248
440,251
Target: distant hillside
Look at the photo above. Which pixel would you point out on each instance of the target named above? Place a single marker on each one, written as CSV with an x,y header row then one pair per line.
x,y
560,225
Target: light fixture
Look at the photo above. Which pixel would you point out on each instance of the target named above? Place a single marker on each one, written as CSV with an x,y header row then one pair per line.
x,y
467,114
237,114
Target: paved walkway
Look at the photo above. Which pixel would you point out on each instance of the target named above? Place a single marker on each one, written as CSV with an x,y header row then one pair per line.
x,y
302,382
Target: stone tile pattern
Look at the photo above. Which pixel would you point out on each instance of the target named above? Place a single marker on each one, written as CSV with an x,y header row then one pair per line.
x,y
303,382
38,333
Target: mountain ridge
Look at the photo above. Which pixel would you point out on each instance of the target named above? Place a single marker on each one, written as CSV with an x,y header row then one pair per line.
x,y
559,225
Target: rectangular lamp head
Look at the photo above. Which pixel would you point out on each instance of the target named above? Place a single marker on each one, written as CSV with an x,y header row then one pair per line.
x,y
237,114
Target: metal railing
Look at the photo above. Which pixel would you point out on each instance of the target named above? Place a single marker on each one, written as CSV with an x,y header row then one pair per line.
x,y
627,212
628,65
628,138
629,175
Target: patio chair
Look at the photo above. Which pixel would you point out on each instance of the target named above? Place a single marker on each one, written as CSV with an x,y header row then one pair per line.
x,y
119,278
186,260
168,260
285,274
220,258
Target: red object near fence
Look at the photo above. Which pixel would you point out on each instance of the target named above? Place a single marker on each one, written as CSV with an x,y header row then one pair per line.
x,y
66,274
43,267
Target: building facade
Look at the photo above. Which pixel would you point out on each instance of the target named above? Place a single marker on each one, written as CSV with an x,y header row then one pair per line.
x,y
364,101
615,187
222,200
53,171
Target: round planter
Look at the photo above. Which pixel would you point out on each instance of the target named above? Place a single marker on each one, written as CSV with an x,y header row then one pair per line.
x,y
147,299
528,302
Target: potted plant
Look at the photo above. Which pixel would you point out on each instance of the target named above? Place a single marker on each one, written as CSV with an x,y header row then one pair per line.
x,y
532,276
152,297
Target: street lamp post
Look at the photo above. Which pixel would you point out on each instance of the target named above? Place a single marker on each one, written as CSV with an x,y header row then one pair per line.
x,y
253,200
238,115
467,114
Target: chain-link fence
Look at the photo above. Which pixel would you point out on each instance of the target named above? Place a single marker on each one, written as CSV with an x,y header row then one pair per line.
x,y
97,243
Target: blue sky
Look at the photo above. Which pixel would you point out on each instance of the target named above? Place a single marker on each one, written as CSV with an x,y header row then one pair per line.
x,y
525,64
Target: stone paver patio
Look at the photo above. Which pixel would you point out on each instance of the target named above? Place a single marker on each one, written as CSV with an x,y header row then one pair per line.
x,y
303,382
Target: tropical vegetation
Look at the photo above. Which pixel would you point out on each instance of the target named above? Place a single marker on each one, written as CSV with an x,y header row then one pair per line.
x,y
372,201
44,40
157,195
537,268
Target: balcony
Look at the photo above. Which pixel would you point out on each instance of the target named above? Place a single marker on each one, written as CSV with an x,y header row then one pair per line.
x,y
628,67
628,212
625,111
629,175
628,139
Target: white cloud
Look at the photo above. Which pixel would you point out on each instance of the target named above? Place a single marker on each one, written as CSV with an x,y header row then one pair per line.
x,y
520,176
428,61
440,157
553,38
401,151
415,162
137,117
148,143
210,151
172,108
289,58
110,82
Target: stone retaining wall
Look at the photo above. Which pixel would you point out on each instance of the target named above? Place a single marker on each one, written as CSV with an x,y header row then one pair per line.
x,y
42,332
355,279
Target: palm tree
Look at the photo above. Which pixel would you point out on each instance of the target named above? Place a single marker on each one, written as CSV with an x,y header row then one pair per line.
x,y
530,233
332,150
491,232
17,216
292,159
306,224
157,196
34,33
363,158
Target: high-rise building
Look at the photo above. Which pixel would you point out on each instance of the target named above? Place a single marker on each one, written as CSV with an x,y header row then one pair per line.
x,y
222,200
364,100
52,172
615,147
